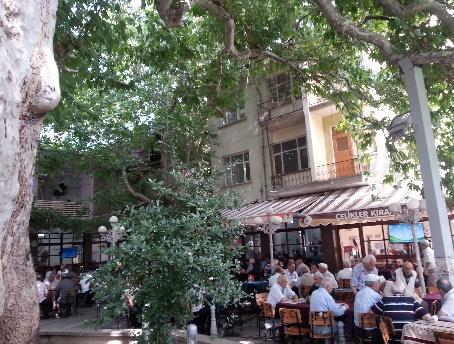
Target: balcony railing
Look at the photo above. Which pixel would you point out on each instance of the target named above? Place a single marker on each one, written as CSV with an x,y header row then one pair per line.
x,y
347,168
71,209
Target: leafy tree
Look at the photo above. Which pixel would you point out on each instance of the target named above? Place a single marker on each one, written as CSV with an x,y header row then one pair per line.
x,y
171,252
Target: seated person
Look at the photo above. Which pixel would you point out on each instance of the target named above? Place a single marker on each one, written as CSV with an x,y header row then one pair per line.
x,y
322,301
446,312
45,305
301,267
273,279
364,300
280,292
345,273
313,268
323,269
401,309
51,283
64,299
317,280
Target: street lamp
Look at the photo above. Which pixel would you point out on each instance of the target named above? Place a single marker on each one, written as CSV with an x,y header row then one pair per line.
x,y
412,214
270,226
113,235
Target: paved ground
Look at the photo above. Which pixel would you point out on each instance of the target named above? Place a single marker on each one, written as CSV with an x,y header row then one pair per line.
x,y
247,335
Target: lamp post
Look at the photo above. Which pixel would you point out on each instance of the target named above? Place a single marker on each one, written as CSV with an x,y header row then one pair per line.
x,y
412,214
270,226
113,235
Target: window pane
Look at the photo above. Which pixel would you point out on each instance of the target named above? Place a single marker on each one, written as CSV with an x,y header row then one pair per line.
x,y
227,161
54,260
237,158
238,173
288,145
248,172
278,164
290,160
277,148
304,159
246,156
302,141
55,250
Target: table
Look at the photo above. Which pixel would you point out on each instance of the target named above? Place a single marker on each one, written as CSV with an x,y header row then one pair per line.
x,y
429,298
304,309
423,331
255,287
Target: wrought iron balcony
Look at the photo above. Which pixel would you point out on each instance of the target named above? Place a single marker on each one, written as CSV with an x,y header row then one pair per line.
x,y
341,169
71,209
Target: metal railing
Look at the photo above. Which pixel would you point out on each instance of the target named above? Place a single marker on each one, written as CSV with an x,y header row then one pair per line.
x,y
347,168
71,209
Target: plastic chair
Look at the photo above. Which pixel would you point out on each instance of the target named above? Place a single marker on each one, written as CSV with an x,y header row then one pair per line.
x,y
322,319
292,323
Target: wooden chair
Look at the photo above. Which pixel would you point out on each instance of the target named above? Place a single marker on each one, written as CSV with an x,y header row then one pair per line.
x,y
304,291
292,324
433,306
321,319
260,298
345,283
270,323
443,338
366,321
386,327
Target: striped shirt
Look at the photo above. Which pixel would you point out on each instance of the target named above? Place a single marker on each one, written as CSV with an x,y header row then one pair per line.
x,y
401,309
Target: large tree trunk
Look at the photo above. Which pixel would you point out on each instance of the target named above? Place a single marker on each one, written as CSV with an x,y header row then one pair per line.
x,y
28,89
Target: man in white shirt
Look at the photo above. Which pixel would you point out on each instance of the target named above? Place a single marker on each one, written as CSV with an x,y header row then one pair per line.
x,y
428,263
323,269
273,279
409,278
447,310
291,274
41,290
280,292
345,273
364,300
322,301
51,283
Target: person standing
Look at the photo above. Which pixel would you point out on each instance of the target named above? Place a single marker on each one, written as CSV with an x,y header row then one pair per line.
x,y
428,263
361,270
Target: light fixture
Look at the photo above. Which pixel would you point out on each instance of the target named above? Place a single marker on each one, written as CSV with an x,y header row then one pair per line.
x,y
394,207
276,220
113,219
412,204
269,210
259,220
102,229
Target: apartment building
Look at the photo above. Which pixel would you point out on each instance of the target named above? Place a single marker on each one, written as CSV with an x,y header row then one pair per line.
x,y
284,156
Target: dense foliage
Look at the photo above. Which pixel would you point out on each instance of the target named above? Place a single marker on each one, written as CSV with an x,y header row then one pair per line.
x,y
171,252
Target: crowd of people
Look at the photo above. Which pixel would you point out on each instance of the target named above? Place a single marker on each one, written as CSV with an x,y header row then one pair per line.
x,y
399,297
59,287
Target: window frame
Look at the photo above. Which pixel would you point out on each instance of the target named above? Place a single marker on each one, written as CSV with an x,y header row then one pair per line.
x,y
298,150
228,168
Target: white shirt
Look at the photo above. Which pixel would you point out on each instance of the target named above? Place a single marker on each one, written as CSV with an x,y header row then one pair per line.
x,y
448,304
277,293
429,257
291,277
273,279
321,301
85,283
41,291
364,300
345,273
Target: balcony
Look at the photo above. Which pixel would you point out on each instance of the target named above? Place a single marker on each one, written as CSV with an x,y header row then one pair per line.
x,y
71,209
337,170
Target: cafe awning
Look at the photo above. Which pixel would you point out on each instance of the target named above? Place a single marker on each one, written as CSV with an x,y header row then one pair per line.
x,y
353,205
286,207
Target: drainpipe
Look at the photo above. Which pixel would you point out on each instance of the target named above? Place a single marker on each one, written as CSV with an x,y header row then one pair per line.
x,y
262,136
307,120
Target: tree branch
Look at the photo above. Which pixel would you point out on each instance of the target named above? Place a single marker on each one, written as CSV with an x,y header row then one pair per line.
x,y
369,18
346,26
429,6
130,189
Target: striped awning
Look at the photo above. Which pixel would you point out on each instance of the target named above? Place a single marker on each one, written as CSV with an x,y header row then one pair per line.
x,y
353,205
286,207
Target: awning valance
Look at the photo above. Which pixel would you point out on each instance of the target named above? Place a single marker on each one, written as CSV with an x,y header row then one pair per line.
x,y
353,205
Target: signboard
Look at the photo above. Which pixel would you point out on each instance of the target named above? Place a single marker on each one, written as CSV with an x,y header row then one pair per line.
x,y
348,249
361,214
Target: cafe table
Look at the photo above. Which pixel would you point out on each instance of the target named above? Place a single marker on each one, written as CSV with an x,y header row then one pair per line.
x,y
304,309
422,332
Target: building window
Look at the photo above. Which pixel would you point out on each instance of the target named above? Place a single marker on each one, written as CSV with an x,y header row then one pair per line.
x,y
237,169
290,156
279,88
233,116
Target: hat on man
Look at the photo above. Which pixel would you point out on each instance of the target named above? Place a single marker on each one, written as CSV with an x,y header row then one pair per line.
x,y
372,278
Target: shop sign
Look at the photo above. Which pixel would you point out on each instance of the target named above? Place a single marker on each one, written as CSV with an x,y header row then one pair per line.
x,y
348,249
361,214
